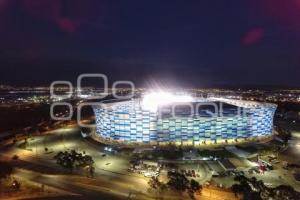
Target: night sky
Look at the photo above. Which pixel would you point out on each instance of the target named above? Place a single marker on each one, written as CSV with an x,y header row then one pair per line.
x,y
193,43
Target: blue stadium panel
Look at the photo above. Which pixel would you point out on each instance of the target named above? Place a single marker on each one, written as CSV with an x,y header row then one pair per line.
x,y
127,122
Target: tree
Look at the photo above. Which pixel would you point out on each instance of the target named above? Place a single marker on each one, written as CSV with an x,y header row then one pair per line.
x,y
92,171
284,192
237,189
156,185
6,170
16,185
284,133
195,186
69,164
15,157
287,136
251,188
153,183
178,181
71,159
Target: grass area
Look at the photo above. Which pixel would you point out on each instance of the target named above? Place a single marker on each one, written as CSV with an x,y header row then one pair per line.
x,y
24,145
27,189
288,125
248,148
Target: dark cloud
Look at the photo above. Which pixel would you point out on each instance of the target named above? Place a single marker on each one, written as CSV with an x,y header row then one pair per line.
x,y
253,36
194,43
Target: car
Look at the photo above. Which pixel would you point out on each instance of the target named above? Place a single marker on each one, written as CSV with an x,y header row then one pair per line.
x,y
150,174
138,167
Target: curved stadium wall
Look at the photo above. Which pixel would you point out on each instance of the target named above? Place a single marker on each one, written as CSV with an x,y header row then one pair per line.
x,y
126,122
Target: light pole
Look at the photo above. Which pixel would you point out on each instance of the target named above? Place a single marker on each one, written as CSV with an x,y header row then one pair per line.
x,y
62,140
36,149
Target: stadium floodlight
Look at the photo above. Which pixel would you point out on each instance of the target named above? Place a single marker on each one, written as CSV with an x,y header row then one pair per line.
x,y
152,100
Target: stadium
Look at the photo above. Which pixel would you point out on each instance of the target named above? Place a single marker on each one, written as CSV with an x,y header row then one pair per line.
x,y
162,118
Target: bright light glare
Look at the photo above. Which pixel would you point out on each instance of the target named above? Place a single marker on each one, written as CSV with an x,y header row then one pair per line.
x,y
152,100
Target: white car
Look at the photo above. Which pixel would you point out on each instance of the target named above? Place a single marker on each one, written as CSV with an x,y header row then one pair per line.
x,y
150,174
147,174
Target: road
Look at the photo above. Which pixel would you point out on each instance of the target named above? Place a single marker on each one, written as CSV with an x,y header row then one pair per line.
x,y
90,189
111,181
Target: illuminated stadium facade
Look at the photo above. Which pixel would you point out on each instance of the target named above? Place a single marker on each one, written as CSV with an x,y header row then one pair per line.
x,y
161,119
